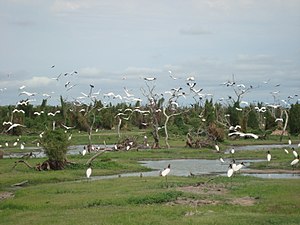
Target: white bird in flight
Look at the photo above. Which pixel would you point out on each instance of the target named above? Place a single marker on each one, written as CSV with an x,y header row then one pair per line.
x,y
18,111
27,93
53,114
149,78
66,127
14,125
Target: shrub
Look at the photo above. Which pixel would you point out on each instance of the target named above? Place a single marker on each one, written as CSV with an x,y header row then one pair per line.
x,y
215,132
55,143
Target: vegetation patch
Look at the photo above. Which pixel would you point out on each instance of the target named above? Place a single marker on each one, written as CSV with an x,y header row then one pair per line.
x,y
209,189
155,198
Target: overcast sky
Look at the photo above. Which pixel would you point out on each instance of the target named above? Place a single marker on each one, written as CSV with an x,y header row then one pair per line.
x,y
115,44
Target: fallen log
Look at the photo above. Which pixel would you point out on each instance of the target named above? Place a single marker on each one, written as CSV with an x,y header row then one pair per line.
x,y
22,161
94,157
20,184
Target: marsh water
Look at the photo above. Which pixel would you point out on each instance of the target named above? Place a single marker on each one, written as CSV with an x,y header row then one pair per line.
x,y
195,167
180,167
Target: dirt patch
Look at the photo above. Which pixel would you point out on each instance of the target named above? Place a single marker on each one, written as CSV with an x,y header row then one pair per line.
x,y
210,189
5,195
244,201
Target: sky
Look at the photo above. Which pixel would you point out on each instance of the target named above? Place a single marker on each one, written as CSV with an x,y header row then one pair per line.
x,y
115,44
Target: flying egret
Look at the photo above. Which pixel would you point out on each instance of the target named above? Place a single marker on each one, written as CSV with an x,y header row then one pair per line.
x,y
14,125
66,127
27,93
22,87
53,114
150,78
18,111
7,123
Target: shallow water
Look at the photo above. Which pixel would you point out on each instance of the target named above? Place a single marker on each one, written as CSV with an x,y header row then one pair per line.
x,y
179,167
39,153
184,167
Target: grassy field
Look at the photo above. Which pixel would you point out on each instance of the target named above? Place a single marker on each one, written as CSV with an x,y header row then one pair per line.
x,y
67,197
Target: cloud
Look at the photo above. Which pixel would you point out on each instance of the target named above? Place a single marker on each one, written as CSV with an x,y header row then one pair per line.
x,y
194,31
23,23
35,82
142,71
68,6
90,72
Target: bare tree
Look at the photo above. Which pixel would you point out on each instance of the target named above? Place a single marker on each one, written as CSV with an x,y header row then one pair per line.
x,y
154,103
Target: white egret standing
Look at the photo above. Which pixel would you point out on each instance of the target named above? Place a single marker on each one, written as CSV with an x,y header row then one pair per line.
x,y
239,166
88,172
233,165
286,151
295,161
217,147
294,152
269,156
83,152
165,172
230,171
232,151
290,141
222,160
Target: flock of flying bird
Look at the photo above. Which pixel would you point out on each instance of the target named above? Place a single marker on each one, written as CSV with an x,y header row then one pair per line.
x,y
178,92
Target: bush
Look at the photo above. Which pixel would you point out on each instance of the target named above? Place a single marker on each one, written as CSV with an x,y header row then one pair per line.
x,y
55,143
215,132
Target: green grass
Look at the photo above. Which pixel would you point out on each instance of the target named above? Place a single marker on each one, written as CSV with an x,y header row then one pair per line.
x,y
135,200
66,197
